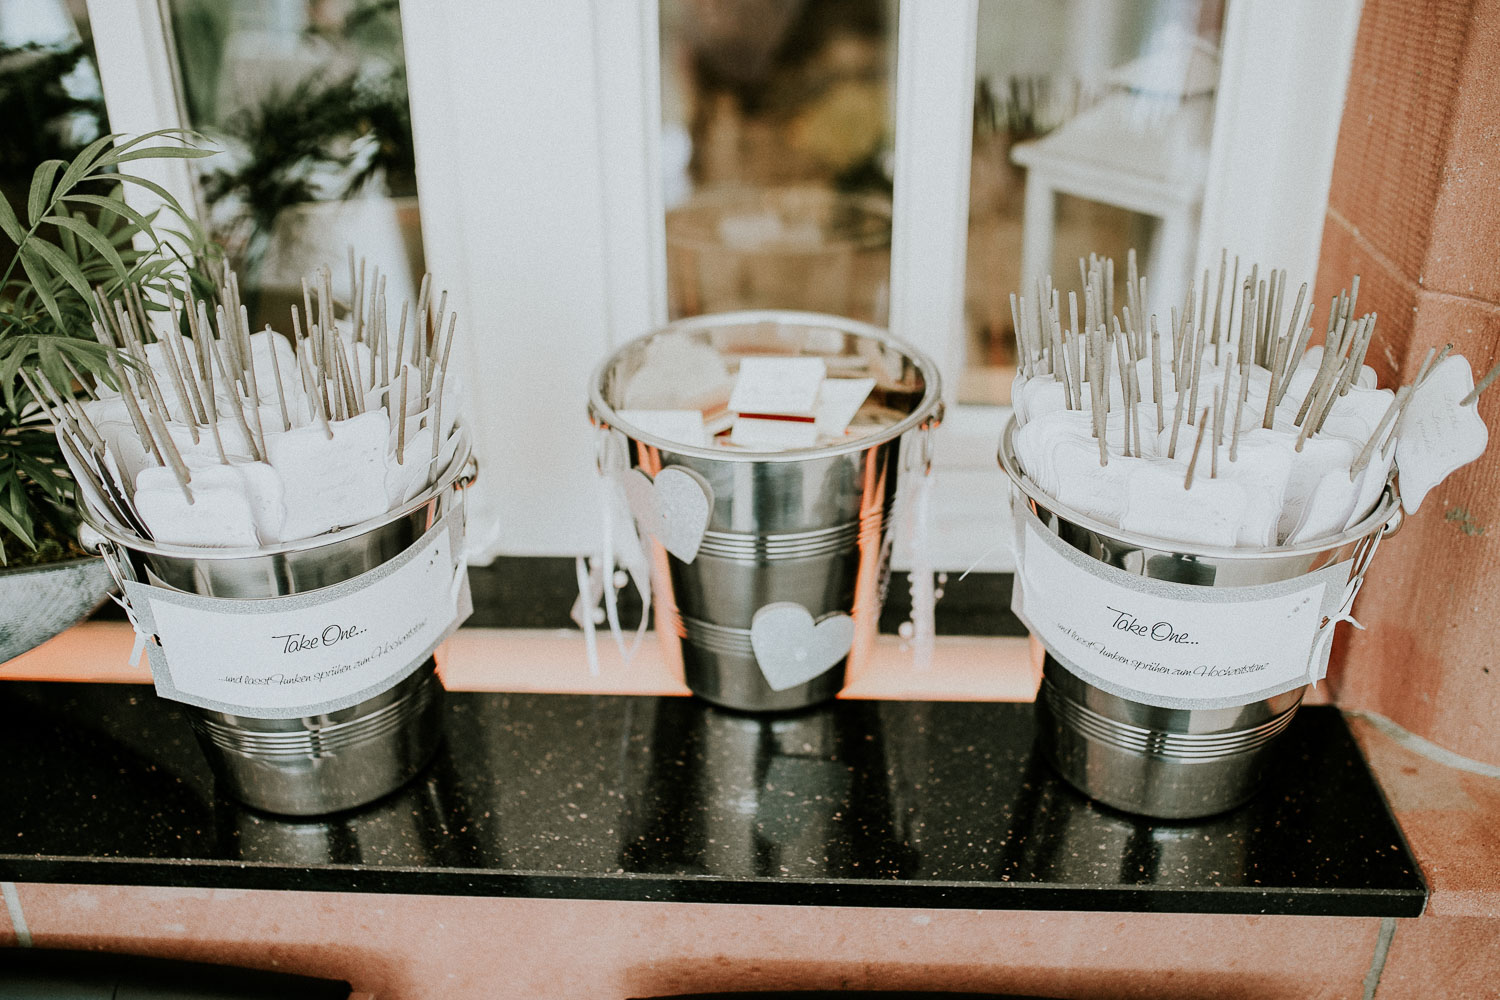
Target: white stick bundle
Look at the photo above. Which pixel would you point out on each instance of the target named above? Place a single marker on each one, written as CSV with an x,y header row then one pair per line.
x,y
1276,418
218,436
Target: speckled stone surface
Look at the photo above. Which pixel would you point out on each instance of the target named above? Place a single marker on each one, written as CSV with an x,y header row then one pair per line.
x,y
877,803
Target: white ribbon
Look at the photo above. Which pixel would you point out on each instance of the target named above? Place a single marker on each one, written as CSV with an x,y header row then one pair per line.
x,y
596,574
923,588
142,636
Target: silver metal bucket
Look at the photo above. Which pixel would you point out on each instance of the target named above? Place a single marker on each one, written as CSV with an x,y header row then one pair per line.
x,y
1174,763
323,763
811,526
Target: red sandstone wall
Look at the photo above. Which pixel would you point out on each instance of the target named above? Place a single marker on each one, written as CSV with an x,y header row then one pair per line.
x,y
1414,209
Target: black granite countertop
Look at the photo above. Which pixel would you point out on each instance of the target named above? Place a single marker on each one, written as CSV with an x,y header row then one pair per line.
x,y
863,803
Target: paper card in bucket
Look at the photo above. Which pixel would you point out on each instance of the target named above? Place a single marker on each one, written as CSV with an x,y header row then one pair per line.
x,y
1172,645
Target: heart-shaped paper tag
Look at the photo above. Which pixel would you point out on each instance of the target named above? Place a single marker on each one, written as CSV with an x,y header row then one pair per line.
x,y
673,509
1437,434
791,649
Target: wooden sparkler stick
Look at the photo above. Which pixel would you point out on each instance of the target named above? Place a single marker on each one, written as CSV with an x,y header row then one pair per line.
x,y
1041,329
1318,398
1263,294
1361,343
229,333
286,417
78,377
401,419
1182,395
1122,356
1239,411
315,398
112,322
1278,362
1246,345
1483,384
1433,359
1398,403
1326,367
1074,347
424,345
1294,359
328,321
190,309
1156,390
156,403
378,305
1107,360
128,395
254,384
356,298
1220,405
385,355
177,347
352,402
1109,287
1219,300
307,310
441,381
1101,396
236,402
52,405
1197,364
1020,332
210,400
179,387
320,377
1187,482
174,457
1059,357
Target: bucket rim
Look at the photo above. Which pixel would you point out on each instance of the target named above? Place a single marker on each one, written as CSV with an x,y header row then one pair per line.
x,y
928,412
462,459
1381,519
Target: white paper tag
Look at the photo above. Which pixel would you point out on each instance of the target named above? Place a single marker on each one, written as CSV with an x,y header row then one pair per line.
x,y
838,402
314,653
773,435
678,426
780,386
1437,435
1167,644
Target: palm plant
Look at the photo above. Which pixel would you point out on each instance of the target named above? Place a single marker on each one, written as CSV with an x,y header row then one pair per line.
x,y
77,236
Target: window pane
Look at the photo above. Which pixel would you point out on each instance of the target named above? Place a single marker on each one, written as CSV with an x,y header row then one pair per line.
x,y
1095,116
776,147
50,99
307,99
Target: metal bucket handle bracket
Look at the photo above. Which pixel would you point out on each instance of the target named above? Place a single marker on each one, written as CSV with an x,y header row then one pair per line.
x,y
1363,557
119,569
920,449
469,474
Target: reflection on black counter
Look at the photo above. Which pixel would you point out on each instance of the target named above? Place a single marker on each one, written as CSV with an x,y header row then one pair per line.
x,y
422,823
870,803
769,796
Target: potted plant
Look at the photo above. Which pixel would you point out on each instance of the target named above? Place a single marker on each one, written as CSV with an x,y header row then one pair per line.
x,y
74,234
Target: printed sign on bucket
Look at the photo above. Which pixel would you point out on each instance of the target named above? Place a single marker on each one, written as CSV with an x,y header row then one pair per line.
x,y
1168,644
313,653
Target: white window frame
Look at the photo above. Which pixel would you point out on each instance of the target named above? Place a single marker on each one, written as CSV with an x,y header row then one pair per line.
x,y
537,126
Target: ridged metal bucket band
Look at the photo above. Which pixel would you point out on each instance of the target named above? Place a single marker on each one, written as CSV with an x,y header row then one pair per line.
x,y
319,741
1155,742
715,638
740,547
